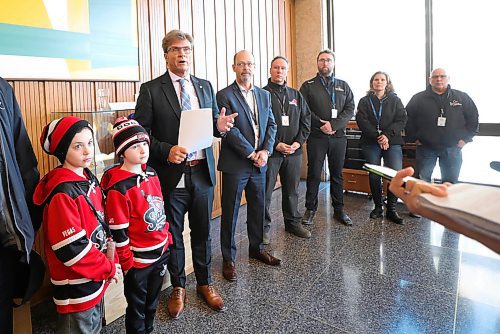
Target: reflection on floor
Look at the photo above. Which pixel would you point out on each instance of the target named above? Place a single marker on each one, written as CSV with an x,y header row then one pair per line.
x,y
374,277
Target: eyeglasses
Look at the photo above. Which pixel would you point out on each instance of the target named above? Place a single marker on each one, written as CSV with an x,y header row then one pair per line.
x,y
243,64
328,60
175,49
439,76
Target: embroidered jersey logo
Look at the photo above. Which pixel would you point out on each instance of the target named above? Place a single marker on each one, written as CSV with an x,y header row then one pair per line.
x,y
155,216
98,238
68,232
455,103
293,102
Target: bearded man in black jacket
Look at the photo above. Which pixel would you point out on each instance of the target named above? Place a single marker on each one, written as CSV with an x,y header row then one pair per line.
x,y
332,106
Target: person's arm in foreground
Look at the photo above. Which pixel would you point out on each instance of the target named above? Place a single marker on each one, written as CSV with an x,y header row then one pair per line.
x,y
410,190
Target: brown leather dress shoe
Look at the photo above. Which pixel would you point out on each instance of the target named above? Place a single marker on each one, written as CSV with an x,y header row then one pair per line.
x,y
176,302
229,271
211,296
265,257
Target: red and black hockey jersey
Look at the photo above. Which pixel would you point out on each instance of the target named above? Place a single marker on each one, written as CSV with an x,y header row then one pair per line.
x,y
74,239
136,216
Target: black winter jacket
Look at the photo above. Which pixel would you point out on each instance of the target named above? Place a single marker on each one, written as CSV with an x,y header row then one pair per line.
x,y
297,110
424,108
392,119
320,103
19,177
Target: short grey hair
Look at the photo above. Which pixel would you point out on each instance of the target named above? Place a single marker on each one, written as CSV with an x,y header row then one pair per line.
x,y
175,35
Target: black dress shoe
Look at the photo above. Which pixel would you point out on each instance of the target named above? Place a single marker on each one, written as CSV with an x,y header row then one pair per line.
x,y
342,217
229,271
265,257
307,219
378,212
298,230
394,217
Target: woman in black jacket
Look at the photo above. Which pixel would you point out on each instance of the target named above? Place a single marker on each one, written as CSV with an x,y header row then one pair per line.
x,y
381,118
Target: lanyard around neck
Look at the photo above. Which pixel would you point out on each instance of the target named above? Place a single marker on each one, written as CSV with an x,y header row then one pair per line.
x,y
379,114
332,93
281,101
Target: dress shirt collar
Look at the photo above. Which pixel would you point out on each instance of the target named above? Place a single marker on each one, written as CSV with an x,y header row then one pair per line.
x,y
243,89
174,77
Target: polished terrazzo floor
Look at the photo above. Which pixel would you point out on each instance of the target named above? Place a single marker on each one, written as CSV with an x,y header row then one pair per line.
x,y
373,277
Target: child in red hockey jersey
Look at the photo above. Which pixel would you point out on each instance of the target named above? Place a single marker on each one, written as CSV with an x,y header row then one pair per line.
x,y
136,217
74,228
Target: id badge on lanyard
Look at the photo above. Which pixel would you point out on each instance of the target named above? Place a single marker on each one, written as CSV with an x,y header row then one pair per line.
x,y
441,119
285,121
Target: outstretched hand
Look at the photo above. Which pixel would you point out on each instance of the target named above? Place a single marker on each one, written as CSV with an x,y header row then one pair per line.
x,y
225,122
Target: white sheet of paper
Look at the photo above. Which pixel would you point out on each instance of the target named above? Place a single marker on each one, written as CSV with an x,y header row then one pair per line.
x,y
196,129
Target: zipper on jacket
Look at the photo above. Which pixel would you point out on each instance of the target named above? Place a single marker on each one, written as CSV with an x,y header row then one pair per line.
x,y
13,216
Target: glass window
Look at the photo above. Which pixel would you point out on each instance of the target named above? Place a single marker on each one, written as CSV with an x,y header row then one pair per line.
x,y
464,39
384,36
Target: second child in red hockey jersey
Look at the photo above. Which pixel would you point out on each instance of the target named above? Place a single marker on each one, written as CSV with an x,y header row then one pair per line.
x,y
136,216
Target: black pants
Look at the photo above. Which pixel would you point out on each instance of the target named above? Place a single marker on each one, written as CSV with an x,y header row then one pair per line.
x,y
142,291
7,263
288,169
196,199
317,149
254,184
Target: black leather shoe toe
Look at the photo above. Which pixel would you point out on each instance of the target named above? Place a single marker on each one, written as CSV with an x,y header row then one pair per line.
x,y
308,217
378,212
394,217
343,218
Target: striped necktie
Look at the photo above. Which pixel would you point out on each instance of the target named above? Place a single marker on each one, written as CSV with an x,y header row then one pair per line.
x,y
185,98
186,105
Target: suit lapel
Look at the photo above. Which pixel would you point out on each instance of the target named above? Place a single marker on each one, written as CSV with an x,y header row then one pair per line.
x,y
260,108
199,92
169,90
241,100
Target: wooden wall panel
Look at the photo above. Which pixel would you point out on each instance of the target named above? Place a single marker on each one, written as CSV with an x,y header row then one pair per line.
x,y
157,32
186,16
171,15
282,24
199,52
246,15
265,53
211,43
220,40
276,28
290,40
144,41
256,41
230,38
239,29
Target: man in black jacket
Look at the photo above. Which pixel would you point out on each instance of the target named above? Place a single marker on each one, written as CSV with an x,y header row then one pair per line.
x,y
332,106
293,119
18,179
441,120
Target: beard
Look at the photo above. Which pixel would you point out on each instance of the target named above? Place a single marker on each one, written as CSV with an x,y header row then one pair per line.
x,y
325,71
